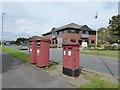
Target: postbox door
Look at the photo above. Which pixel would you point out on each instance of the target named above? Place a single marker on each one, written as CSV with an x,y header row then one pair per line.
x,y
76,58
65,60
70,57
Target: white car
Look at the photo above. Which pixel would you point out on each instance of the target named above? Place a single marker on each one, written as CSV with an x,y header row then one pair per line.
x,y
22,47
115,44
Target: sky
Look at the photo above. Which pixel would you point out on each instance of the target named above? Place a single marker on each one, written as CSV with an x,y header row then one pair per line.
x,y
26,19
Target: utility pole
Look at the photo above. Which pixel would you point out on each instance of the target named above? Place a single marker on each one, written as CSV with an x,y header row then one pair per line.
x,y
96,16
2,27
96,36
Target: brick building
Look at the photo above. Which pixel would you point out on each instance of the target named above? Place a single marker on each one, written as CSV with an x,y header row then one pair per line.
x,y
71,33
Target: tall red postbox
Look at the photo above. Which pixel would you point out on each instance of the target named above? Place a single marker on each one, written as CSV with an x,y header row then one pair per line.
x,y
71,59
43,52
32,51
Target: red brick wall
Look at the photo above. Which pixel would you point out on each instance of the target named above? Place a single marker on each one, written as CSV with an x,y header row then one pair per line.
x,y
92,37
74,36
69,35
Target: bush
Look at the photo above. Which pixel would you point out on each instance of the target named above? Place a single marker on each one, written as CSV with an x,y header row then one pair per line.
x,y
100,47
115,48
112,48
53,46
92,46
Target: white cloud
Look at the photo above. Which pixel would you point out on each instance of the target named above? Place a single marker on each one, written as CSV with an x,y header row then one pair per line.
x,y
60,0
38,18
27,26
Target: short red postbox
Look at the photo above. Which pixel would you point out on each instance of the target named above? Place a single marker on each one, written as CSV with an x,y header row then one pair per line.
x,y
43,52
32,51
71,59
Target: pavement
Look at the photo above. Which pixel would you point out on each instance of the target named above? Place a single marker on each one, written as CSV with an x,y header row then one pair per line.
x,y
97,63
16,74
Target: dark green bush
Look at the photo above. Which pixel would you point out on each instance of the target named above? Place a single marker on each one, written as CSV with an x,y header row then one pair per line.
x,y
91,45
52,46
111,48
115,48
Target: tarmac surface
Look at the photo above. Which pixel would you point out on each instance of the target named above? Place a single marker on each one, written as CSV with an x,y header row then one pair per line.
x,y
16,74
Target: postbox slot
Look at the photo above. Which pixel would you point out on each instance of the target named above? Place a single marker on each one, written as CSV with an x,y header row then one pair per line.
x,y
38,44
69,48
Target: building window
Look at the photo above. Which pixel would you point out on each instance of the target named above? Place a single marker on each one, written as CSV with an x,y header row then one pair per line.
x,y
52,41
56,41
92,41
92,33
54,33
66,31
60,32
50,34
80,42
77,31
83,32
57,33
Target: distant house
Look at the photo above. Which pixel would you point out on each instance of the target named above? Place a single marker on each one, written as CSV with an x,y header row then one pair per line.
x,y
71,33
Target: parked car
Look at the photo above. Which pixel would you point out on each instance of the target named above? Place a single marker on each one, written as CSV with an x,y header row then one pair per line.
x,y
22,47
115,44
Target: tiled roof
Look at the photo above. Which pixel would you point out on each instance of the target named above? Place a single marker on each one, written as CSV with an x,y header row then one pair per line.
x,y
71,25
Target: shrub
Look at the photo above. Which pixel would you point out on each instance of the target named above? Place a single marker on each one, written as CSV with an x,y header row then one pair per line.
x,y
92,46
53,46
111,48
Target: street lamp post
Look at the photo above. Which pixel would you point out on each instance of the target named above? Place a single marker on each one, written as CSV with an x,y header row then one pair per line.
x,y
2,28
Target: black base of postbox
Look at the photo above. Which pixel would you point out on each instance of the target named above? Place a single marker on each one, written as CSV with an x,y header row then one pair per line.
x,y
70,72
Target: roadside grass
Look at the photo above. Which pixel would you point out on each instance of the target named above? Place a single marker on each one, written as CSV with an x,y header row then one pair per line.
x,y
102,53
24,57
96,82
19,55
0,48
52,66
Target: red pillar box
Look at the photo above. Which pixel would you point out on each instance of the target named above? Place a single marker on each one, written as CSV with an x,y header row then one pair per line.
x,y
32,51
71,59
43,52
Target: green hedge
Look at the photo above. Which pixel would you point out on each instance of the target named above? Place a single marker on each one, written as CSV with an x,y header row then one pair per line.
x,y
52,46
112,48
100,47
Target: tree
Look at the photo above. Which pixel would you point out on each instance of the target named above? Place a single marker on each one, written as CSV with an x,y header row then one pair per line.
x,y
103,35
21,41
114,26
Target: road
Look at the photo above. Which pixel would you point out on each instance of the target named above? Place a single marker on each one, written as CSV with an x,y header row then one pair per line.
x,y
16,74
100,64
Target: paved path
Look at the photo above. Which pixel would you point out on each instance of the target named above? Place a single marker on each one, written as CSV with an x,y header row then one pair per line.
x,y
19,75
100,64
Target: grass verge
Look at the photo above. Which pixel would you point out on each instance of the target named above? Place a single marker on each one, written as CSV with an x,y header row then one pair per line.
x,y
19,55
98,53
52,66
96,82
